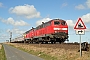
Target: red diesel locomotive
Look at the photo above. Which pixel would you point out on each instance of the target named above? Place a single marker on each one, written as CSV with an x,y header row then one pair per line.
x,y
53,31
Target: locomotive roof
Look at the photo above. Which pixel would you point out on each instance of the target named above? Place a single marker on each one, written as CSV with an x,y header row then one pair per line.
x,y
58,19
42,24
48,22
29,30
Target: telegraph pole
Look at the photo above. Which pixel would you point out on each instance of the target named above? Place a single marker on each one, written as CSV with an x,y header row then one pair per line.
x,y
10,36
24,37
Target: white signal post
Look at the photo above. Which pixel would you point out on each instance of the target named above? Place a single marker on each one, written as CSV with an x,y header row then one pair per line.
x,y
80,30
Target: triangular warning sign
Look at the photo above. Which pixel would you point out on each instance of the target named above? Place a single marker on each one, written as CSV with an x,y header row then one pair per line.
x,y
80,24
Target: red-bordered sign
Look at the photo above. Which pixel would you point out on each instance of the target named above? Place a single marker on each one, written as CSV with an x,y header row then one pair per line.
x,y
80,24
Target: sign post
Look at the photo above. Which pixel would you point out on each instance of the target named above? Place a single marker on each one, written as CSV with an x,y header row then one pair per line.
x,y
80,30
80,46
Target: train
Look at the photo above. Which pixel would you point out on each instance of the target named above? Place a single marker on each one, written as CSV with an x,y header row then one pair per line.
x,y
55,30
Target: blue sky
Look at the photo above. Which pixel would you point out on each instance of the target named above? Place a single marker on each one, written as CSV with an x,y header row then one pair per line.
x,y
19,16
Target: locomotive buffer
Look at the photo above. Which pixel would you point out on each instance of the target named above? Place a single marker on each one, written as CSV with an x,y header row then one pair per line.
x,y
80,30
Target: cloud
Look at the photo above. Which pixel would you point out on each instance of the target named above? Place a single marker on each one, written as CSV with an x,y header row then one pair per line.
x,y
80,7
70,23
85,5
8,30
42,20
64,5
86,18
15,31
88,3
27,11
15,23
4,36
1,4
18,31
87,30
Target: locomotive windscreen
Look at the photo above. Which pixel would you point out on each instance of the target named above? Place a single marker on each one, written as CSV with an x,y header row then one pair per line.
x,y
56,22
63,23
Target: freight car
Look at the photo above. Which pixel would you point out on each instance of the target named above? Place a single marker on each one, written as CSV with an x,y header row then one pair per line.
x,y
53,31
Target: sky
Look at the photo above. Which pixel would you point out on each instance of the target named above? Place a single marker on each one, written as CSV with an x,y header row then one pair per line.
x,y
18,16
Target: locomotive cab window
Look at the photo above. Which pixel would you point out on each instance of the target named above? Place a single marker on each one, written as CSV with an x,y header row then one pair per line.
x,y
63,23
56,22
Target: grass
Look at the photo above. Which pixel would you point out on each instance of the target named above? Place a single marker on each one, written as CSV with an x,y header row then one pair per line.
x,y
68,55
2,54
38,53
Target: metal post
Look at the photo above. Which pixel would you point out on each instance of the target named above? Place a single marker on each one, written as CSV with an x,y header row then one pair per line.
x,y
24,37
80,46
10,36
24,41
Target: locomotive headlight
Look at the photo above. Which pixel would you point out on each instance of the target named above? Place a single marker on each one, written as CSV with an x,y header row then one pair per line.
x,y
60,28
55,31
56,28
64,28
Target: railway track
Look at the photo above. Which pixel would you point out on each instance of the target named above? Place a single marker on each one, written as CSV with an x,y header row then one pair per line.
x,y
70,46
66,46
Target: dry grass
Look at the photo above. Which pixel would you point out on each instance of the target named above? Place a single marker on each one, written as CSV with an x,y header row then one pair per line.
x,y
60,53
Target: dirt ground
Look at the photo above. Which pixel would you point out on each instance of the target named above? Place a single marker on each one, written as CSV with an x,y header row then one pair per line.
x,y
61,51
